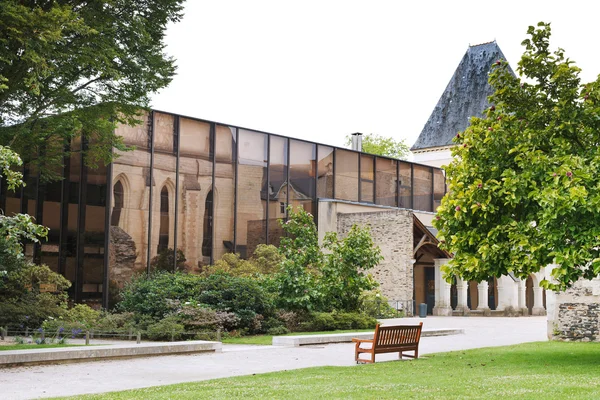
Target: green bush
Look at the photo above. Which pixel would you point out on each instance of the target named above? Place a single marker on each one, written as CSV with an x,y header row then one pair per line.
x,y
279,330
159,294
236,294
337,321
167,328
373,303
196,318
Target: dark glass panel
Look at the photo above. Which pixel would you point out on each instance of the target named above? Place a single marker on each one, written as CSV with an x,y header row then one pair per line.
x,y
422,188
251,191
325,171
278,187
405,189
163,192
439,187
128,248
95,234
195,184
302,175
223,195
367,178
346,175
387,182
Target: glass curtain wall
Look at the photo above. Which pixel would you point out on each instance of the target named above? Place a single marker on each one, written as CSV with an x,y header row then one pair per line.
x,y
439,187
422,188
195,190
277,190
195,211
387,182
325,172
223,196
367,179
251,192
405,183
346,175
131,182
164,183
302,190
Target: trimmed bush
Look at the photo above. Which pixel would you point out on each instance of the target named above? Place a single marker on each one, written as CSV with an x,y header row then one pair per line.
x,y
168,328
337,321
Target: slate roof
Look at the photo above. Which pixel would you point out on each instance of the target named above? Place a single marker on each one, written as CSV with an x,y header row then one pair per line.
x,y
465,96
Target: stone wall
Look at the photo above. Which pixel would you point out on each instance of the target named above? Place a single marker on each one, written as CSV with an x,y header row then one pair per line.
x,y
393,232
574,315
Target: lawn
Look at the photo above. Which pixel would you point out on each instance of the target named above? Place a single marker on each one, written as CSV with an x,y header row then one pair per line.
x,y
544,370
268,340
34,346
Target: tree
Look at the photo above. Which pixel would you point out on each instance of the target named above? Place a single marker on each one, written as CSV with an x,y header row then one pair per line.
x,y
524,185
70,68
345,274
382,146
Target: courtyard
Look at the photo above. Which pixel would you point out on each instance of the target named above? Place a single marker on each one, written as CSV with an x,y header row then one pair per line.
x,y
238,360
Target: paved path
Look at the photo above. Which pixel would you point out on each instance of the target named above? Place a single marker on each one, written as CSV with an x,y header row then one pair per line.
x,y
105,376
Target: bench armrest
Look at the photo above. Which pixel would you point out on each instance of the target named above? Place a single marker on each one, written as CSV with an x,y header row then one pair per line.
x,y
355,340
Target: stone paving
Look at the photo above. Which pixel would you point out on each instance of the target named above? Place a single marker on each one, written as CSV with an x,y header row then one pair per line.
x,y
105,376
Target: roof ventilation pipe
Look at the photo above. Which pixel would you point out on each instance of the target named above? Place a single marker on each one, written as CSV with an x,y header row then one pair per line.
x,y
357,141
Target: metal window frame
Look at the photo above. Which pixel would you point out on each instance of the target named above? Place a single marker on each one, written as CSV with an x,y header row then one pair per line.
x,y
151,128
177,142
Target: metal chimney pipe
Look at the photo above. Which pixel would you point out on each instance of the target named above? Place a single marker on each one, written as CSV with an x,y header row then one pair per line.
x,y
357,141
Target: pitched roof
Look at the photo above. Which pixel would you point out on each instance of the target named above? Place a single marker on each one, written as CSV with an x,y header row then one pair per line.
x,y
465,96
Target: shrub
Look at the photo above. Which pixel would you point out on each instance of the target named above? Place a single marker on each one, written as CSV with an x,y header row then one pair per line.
x,y
344,277
296,282
279,330
167,328
233,265
196,318
373,303
224,292
115,322
164,261
159,294
337,321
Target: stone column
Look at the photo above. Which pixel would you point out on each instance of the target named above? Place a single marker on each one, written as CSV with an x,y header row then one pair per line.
x,y
522,298
503,294
462,287
442,290
482,293
538,301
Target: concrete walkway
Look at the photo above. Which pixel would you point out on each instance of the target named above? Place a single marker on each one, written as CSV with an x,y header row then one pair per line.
x,y
105,376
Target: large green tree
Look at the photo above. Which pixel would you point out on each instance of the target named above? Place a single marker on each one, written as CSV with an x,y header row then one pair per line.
x,y
373,143
524,186
73,67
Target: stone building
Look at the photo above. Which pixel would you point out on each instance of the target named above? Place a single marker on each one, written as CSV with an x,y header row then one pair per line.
x,y
198,189
465,96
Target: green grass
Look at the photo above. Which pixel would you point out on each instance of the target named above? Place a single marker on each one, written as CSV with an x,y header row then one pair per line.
x,y
268,340
34,346
540,371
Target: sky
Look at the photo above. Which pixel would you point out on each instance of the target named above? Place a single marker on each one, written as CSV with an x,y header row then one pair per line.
x,y
319,70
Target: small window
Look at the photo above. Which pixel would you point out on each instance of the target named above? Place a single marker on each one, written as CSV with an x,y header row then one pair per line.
x,y
282,207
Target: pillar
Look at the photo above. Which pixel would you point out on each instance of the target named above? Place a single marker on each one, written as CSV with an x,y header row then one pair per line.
x,y
503,294
538,301
482,293
462,287
522,297
442,290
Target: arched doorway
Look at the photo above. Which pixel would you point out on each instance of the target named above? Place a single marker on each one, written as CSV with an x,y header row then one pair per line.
x,y
163,238
119,200
529,294
208,222
492,293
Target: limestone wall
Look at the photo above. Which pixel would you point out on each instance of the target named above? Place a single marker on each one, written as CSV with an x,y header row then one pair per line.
x,y
392,231
574,315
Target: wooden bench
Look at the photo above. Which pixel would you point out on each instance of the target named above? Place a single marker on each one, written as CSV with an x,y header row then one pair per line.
x,y
390,339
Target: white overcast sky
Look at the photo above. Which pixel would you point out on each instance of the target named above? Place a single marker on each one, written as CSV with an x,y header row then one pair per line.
x,y
319,70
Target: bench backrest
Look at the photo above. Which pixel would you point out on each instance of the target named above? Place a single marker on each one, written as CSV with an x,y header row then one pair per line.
x,y
394,335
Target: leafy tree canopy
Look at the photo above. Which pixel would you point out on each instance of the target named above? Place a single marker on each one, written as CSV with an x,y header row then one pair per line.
x,y
382,146
68,67
524,185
